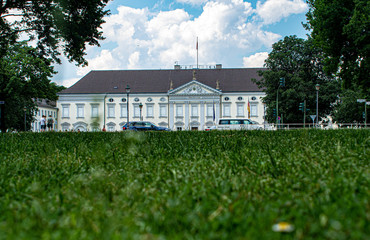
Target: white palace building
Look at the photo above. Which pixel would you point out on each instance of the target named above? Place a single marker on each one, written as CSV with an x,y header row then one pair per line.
x,y
180,99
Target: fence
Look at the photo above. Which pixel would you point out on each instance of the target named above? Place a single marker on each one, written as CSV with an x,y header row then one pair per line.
x,y
287,126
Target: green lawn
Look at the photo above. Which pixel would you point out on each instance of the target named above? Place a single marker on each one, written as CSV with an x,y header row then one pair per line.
x,y
185,185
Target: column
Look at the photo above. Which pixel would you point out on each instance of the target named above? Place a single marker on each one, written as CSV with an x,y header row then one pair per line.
x,y
202,116
171,116
187,116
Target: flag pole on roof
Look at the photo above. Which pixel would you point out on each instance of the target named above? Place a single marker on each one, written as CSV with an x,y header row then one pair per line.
x,y
197,53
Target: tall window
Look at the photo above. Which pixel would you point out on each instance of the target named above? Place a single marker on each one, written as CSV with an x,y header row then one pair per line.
x,y
80,111
254,110
240,110
136,111
227,110
65,111
94,110
149,111
209,110
162,111
111,112
123,111
179,112
194,111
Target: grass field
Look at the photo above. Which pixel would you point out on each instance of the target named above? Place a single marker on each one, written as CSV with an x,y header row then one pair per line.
x,y
185,185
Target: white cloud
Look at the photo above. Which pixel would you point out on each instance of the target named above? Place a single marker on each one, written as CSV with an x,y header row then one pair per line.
x,y
193,2
104,61
256,60
68,82
144,39
273,11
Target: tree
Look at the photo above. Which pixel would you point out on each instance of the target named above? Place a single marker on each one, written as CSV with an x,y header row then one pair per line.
x,y
56,27
299,62
54,24
342,29
348,110
24,76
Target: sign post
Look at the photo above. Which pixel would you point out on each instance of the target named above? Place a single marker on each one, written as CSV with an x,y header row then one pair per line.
x,y
313,119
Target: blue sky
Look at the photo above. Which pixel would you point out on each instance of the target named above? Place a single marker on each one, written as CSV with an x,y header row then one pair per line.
x,y
156,34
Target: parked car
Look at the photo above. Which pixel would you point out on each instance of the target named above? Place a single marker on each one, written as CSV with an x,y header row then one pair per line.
x,y
236,124
143,126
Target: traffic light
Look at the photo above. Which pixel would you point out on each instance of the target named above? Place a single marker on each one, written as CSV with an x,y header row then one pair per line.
x,y
274,112
301,106
282,82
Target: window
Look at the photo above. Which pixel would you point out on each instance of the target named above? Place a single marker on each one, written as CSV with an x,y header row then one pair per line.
x,y
111,112
179,112
254,112
65,111
149,111
110,128
162,111
80,110
240,110
209,110
94,111
179,128
136,111
227,110
123,111
194,110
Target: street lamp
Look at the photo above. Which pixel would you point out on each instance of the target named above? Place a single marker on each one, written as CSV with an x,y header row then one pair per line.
x,y
128,93
281,84
141,107
317,86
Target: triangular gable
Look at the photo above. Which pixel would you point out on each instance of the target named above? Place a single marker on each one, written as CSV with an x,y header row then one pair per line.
x,y
194,88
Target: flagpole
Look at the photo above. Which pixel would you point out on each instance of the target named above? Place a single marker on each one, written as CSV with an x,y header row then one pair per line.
x,y
197,54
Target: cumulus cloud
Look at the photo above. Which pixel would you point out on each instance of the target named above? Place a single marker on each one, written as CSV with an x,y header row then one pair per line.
x,y
228,30
273,11
255,61
103,61
193,2
68,82
145,39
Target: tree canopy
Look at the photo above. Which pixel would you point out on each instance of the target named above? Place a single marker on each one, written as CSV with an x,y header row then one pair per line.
x,y
55,27
24,76
299,62
54,24
342,29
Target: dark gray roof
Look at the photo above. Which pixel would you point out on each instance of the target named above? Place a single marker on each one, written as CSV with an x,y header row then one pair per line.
x,y
159,81
46,103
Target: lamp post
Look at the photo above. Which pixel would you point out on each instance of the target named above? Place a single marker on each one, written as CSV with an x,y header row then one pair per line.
x,y
281,84
317,86
128,93
25,117
141,107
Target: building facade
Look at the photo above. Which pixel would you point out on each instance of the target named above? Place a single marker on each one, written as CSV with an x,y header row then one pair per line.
x,y
47,108
178,99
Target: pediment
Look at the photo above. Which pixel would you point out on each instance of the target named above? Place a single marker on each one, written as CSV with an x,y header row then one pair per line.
x,y
194,88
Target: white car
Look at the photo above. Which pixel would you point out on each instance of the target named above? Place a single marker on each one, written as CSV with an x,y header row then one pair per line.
x,y
236,124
